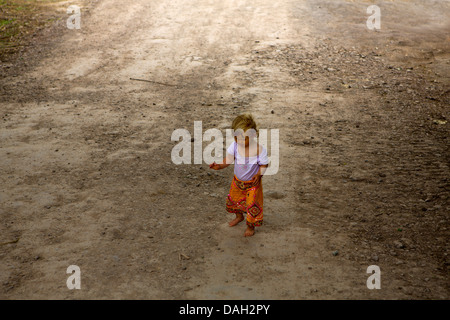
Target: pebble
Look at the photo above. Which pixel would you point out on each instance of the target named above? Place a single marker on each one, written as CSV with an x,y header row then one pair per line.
x,y
399,244
275,194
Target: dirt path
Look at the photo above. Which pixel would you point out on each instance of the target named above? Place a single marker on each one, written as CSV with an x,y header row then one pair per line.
x,y
87,178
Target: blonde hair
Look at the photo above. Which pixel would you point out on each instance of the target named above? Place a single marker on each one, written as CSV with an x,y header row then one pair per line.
x,y
245,122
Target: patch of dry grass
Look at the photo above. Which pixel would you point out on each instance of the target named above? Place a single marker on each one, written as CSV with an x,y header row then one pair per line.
x,y
21,20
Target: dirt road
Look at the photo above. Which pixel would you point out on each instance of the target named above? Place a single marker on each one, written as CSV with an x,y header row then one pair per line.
x,y
87,178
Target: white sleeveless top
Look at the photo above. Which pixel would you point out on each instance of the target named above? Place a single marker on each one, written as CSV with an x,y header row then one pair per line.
x,y
245,168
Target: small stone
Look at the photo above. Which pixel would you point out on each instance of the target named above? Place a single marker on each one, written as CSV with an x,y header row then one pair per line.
x,y
335,253
399,244
275,194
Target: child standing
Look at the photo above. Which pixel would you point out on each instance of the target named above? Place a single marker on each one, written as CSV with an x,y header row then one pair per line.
x,y
251,161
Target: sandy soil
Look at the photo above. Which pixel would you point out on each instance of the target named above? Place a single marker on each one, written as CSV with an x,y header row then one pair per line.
x,y
87,179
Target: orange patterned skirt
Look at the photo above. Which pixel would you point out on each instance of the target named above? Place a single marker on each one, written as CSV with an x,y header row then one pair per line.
x,y
247,199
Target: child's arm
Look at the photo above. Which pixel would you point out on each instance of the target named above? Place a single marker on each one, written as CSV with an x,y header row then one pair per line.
x,y
226,162
257,178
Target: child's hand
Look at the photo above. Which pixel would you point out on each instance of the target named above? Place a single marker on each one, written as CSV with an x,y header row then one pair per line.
x,y
256,179
214,166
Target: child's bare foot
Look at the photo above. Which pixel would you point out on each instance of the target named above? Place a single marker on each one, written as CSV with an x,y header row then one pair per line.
x,y
249,231
235,221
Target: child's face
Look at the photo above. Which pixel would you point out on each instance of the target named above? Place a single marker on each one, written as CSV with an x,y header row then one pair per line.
x,y
243,139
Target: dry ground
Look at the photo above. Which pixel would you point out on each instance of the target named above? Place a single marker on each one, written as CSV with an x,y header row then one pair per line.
x,y
87,178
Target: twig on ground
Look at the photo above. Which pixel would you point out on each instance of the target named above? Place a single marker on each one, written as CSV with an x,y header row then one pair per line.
x,y
10,242
151,81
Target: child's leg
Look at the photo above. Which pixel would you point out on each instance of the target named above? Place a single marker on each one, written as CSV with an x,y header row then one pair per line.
x,y
235,221
236,203
254,210
249,231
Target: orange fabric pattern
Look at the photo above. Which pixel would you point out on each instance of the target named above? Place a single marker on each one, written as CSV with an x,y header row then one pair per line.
x,y
246,198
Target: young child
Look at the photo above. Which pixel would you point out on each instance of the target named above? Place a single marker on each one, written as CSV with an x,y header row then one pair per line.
x,y
250,162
